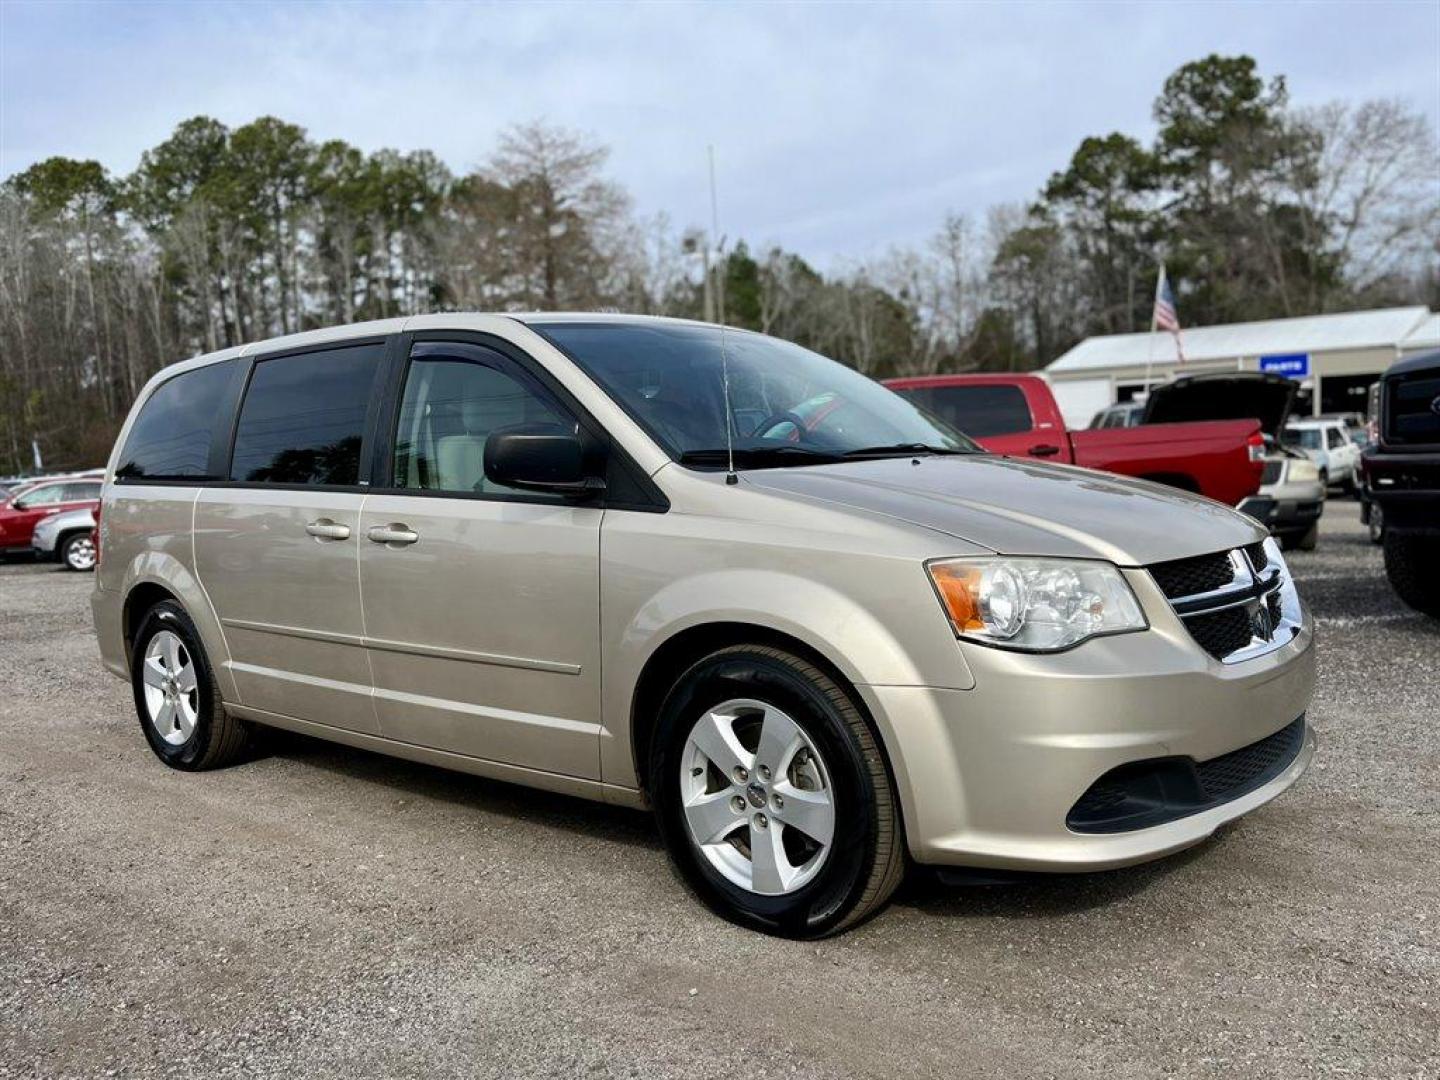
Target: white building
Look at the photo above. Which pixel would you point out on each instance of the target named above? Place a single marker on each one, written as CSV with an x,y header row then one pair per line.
x,y
1334,358
1425,338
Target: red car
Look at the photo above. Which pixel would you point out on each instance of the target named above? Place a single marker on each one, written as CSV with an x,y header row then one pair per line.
x,y
28,506
1016,415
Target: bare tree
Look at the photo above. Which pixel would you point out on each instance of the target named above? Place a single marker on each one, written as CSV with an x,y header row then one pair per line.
x,y
564,218
1375,196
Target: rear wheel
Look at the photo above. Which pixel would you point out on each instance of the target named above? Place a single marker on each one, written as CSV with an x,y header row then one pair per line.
x,y
78,552
773,795
1411,566
176,697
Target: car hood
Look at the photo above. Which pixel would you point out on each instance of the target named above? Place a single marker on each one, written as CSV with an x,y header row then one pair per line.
x,y
1224,395
1025,508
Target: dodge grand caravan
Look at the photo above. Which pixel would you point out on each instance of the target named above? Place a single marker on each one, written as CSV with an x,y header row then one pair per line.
x,y
662,564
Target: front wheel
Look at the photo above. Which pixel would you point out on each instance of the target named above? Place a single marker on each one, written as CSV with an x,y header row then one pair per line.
x,y
773,795
1377,523
1410,564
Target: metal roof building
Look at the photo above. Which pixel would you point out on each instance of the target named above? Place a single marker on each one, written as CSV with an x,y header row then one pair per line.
x,y
1425,337
1334,358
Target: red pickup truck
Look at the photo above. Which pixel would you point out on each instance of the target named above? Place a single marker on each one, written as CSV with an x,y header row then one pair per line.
x,y
1017,415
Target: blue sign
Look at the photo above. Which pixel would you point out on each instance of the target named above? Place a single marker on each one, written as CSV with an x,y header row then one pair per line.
x,y
1293,365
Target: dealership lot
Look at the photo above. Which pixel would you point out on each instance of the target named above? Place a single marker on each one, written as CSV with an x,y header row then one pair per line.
x,y
330,912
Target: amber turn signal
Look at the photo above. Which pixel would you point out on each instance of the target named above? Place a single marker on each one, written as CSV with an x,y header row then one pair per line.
x,y
959,589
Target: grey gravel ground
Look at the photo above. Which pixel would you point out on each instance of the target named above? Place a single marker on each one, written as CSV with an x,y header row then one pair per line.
x,y
327,912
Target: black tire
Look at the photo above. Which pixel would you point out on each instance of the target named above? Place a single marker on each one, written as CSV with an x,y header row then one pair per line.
x,y
866,859
1307,540
218,739
77,552
1376,523
1412,563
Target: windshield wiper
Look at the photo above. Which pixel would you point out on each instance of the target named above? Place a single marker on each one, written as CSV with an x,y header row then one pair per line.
x,y
902,450
759,456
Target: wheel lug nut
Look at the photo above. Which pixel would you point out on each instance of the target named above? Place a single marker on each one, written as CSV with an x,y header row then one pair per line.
x,y
741,774
737,804
778,801
764,772
761,821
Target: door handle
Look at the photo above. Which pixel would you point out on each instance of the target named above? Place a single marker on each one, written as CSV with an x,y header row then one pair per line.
x,y
1044,450
394,533
325,529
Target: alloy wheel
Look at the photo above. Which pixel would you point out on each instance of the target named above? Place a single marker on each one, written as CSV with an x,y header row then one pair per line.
x,y
172,693
80,554
757,797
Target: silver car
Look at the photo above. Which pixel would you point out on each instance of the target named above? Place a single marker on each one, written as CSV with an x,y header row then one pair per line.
x,y
66,538
666,565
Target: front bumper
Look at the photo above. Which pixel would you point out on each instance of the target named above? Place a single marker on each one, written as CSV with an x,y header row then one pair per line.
x,y
987,776
1287,507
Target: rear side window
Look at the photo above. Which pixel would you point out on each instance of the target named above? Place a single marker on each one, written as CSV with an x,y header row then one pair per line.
x,y
81,492
303,418
977,411
170,439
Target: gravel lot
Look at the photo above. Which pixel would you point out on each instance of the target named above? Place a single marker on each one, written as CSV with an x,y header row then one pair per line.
x,y
322,911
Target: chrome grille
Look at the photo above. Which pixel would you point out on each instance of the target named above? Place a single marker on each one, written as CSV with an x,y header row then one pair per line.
x,y
1232,602
1186,577
1222,632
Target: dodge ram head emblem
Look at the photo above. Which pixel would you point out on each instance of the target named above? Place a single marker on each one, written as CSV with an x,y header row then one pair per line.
x,y
1260,623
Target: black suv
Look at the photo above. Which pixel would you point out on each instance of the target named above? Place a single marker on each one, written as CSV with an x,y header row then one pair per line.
x,y
1402,475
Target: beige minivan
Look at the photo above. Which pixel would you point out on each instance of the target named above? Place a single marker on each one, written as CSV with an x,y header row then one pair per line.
x,y
661,563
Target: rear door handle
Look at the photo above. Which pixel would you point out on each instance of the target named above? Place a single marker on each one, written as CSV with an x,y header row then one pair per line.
x,y
325,529
1044,451
393,533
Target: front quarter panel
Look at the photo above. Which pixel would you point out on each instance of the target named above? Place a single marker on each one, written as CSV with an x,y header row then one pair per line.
x,y
850,587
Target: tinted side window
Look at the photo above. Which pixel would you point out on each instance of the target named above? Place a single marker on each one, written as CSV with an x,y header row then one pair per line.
x,y
170,439
455,398
976,410
304,417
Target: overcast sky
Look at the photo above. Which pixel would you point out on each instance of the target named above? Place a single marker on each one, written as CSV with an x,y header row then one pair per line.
x,y
839,130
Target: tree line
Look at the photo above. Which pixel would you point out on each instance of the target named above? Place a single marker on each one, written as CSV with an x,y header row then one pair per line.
x,y
222,236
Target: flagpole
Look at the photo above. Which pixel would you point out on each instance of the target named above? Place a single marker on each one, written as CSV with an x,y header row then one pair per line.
x,y
1154,328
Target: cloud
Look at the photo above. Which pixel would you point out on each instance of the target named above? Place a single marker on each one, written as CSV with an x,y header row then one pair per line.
x,y
839,130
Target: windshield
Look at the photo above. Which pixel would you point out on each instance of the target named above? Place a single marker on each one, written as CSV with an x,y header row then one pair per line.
x,y
1309,438
790,405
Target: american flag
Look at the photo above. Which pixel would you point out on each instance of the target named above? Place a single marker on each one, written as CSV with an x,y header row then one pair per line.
x,y
1165,316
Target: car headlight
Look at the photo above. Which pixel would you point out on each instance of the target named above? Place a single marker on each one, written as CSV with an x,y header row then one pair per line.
x,y
1304,472
1036,605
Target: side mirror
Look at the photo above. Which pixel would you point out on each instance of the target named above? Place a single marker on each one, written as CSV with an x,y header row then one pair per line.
x,y
540,457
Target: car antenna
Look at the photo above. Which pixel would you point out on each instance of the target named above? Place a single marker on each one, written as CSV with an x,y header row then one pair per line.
x,y
730,477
